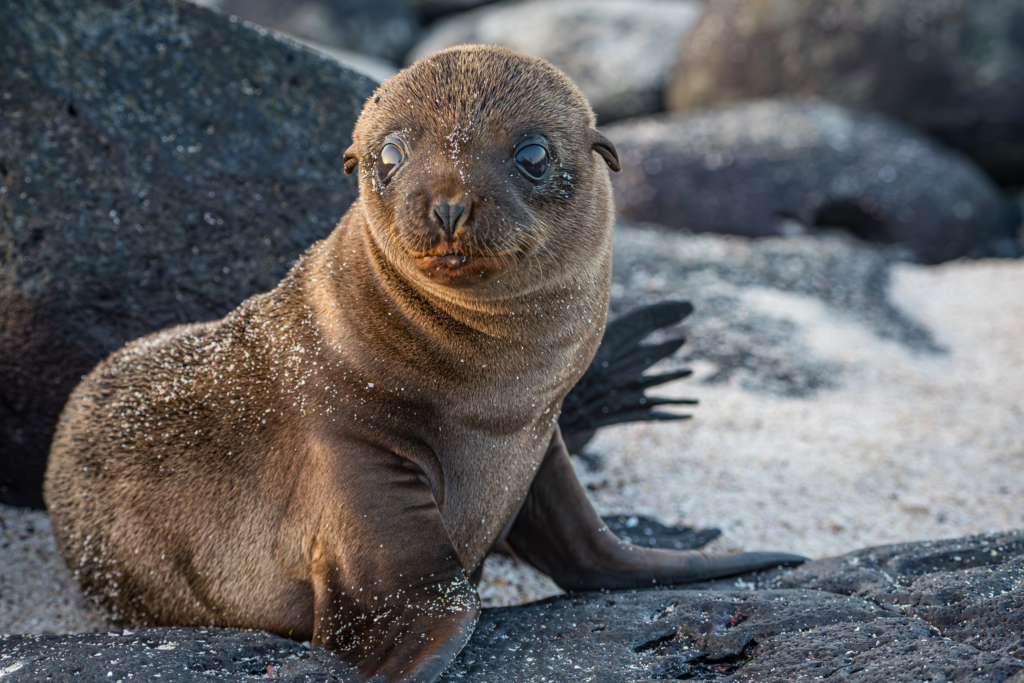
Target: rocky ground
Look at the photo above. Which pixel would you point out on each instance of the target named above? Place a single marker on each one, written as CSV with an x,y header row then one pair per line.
x,y
944,611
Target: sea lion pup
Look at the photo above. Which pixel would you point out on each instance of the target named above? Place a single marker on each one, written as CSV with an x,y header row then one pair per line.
x,y
335,458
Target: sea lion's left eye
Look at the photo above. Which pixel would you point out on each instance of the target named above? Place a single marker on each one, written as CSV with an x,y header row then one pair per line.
x,y
532,160
390,157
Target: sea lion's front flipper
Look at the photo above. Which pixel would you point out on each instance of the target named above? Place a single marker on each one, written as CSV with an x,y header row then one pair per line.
x,y
559,533
391,600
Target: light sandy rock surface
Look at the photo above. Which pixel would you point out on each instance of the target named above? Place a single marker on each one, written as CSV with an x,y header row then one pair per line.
x,y
914,431
37,592
904,444
619,52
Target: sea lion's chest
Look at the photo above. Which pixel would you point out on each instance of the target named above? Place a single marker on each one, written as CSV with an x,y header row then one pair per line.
x,y
486,478
479,438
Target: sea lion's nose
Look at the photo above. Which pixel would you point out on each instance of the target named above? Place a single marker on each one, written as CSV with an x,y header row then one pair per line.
x,y
446,215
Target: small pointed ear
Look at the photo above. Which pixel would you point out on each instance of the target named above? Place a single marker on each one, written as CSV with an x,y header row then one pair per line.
x,y
351,159
606,149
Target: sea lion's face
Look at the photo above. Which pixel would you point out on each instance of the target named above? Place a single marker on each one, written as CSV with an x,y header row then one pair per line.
x,y
477,168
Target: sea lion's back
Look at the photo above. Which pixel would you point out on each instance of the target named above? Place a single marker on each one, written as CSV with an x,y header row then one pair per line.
x,y
152,429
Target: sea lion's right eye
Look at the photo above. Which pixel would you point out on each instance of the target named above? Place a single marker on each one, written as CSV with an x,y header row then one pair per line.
x,y
390,157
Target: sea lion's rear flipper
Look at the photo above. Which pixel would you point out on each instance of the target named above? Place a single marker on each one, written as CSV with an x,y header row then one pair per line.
x,y
612,388
392,603
559,533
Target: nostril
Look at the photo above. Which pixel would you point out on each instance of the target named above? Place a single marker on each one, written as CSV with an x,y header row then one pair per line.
x,y
454,213
442,213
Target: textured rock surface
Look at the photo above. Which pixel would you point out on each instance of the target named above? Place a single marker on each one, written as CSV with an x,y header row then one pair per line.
x,y
619,52
951,67
159,163
747,346
778,167
971,589
644,635
950,624
164,654
382,28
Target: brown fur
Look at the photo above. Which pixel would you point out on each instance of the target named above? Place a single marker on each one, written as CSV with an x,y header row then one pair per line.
x,y
363,419
333,459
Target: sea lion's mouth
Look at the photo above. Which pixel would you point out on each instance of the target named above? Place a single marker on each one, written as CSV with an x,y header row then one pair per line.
x,y
459,269
451,261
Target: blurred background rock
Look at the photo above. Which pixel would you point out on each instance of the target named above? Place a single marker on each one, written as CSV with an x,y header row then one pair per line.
x,y
783,167
620,52
953,68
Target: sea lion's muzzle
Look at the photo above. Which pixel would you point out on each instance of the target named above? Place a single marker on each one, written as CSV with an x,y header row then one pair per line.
x,y
453,242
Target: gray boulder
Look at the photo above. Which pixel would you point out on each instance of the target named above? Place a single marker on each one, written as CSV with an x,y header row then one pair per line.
x,y
954,68
780,167
945,611
432,9
620,52
382,28
159,164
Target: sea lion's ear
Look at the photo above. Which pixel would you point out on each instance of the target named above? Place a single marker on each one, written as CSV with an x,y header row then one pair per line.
x,y
606,149
351,159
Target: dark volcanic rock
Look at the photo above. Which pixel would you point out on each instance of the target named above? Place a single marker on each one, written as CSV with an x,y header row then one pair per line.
x,y
952,67
971,589
888,651
957,619
178,655
644,635
159,164
382,28
619,52
778,167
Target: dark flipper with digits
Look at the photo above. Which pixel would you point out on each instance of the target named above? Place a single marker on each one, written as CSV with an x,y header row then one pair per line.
x,y
612,389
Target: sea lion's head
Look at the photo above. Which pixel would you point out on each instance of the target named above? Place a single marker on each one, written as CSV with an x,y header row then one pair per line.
x,y
480,170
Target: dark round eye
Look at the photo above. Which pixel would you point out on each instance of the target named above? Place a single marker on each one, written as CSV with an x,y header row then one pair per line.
x,y
390,157
532,160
